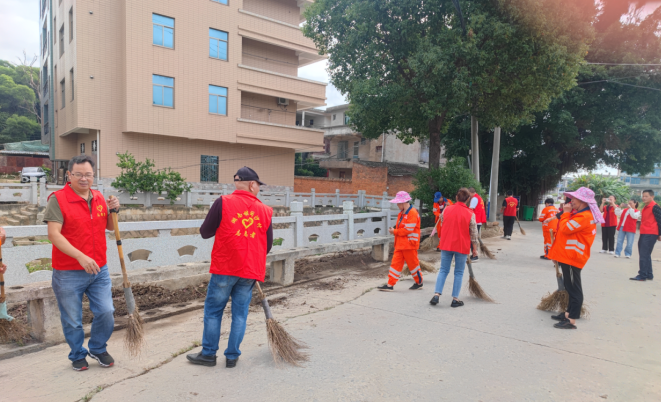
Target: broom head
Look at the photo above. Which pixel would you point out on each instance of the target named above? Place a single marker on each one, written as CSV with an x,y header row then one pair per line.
x,y
284,347
429,243
554,301
485,251
523,232
424,267
476,290
135,337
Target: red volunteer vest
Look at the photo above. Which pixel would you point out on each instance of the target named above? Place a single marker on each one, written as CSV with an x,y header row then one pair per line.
x,y
510,208
648,223
480,211
609,217
84,230
240,245
629,222
456,229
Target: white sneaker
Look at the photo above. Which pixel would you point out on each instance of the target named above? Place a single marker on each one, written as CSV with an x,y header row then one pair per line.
x,y
628,256
616,256
602,252
611,252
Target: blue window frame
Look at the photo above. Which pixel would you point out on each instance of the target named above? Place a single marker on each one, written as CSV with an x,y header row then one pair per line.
x,y
635,180
654,181
628,180
163,90
217,100
221,1
217,44
163,30
657,172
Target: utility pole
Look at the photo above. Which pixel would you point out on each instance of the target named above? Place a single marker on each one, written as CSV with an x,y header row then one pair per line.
x,y
495,163
475,149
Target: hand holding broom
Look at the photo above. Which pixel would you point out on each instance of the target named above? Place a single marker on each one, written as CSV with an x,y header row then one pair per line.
x,y
284,347
134,338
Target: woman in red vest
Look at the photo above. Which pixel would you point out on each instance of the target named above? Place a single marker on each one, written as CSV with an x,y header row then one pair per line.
x,y
77,219
627,228
459,232
243,234
608,228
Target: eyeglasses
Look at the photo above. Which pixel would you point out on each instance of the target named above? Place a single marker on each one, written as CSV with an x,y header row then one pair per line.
x,y
80,175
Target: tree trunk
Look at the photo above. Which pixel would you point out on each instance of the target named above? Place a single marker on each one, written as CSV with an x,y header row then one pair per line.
x,y
435,125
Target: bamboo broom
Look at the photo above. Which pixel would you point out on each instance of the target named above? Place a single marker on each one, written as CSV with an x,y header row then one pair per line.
x,y
474,288
134,338
558,300
523,232
284,347
424,267
485,250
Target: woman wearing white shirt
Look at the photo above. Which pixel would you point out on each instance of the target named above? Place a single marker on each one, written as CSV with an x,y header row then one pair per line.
x,y
627,227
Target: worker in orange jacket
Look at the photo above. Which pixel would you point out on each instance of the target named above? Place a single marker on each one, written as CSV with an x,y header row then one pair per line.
x,y
576,232
440,203
549,211
407,242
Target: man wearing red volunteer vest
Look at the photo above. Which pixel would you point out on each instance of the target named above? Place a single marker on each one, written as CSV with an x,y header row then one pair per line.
x,y
244,235
477,206
77,219
650,233
509,210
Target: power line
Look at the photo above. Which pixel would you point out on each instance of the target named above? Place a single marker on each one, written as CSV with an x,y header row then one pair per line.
x,y
623,64
622,83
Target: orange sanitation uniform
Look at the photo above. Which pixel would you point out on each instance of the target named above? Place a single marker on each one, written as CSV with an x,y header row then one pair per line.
x,y
407,242
438,210
576,232
547,212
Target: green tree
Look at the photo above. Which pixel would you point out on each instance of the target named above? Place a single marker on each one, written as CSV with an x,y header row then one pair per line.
x,y
20,128
448,180
603,186
309,167
407,67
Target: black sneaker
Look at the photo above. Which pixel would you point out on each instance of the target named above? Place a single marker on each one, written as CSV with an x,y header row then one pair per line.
x,y
202,360
543,257
456,303
560,317
231,363
565,325
434,300
416,287
104,359
386,288
80,365
638,278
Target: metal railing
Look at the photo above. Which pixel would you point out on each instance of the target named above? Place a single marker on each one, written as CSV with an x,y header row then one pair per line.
x,y
268,115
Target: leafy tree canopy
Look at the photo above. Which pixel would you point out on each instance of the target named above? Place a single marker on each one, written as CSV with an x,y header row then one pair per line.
x,y
309,167
603,187
20,128
408,67
19,101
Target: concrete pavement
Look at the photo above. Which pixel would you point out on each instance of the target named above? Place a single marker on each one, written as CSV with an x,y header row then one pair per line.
x,y
396,346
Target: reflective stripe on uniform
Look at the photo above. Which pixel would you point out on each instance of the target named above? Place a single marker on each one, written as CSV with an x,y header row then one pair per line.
x,y
575,224
576,243
394,273
416,269
410,229
574,248
410,225
570,226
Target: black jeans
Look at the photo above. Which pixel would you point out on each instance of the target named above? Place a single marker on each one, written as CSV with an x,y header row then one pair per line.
x,y
508,224
572,280
646,244
608,238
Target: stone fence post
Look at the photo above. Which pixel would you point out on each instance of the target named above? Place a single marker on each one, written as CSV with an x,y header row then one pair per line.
x,y
347,209
385,207
287,196
313,202
224,189
42,193
337,197
296,209
33,191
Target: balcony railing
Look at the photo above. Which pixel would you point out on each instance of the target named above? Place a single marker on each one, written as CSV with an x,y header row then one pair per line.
x,y
268,115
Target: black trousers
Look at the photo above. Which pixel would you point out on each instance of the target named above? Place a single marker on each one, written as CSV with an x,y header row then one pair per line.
x,y
572,280
608,238
646,244
508,224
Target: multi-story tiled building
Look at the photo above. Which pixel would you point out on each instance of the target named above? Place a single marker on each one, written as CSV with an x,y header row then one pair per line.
x,y
639,183
201,86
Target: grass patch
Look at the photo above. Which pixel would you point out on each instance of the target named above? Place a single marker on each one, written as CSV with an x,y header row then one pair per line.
x,y
278,241
181,351
91,394
40,264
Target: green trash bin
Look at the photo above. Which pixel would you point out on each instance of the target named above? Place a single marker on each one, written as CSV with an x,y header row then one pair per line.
x,y
528,212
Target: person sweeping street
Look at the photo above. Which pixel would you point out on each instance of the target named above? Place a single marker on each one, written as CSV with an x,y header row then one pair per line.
x,y
477,206
549,211
509,210
440,203
650,233
243,232
571,249
460,231
407,242
77,219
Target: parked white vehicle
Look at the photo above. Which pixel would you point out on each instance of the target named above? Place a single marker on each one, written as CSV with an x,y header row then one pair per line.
x,y
28,172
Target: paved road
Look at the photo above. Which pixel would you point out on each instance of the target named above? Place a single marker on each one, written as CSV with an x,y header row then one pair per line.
x,y
395,346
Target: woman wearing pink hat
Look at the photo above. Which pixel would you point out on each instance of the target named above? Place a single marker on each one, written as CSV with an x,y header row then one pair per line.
x,y
571,249
407,243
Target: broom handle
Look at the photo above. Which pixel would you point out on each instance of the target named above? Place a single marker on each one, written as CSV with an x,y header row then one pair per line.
x,y
259,289
265,303
470,267
118,238
555,263
2,281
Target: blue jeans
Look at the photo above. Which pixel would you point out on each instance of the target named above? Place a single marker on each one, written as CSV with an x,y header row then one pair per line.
x,y
69,287
646,244
221,287
621,235
446,264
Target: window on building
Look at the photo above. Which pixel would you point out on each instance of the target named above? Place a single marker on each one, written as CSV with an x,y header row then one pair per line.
x,y
63,90
217,100
209,168
334,116
363,141
62,40
635,180
82,147
347,120
163,90
327,146
356,149
311,122
379,148
44,39
654,181
627,180
95,146
342,149
217,44
71,80
657,172
70,24
163,30
220,1
343,174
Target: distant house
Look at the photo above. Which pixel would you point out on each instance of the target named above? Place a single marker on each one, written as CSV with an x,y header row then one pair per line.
x,y
17,155
640,183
